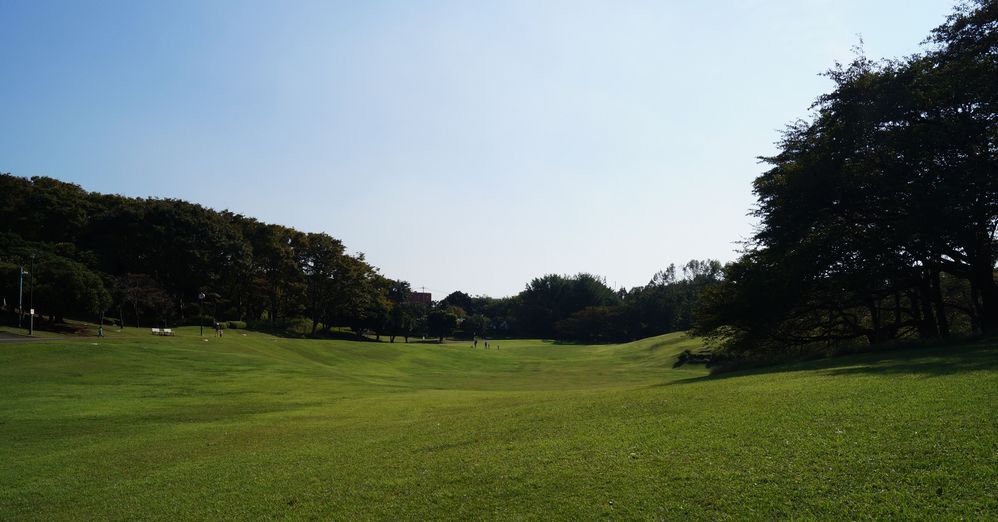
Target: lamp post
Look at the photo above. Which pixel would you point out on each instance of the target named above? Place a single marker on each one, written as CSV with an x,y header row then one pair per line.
x,y
31,296
20,295
201,312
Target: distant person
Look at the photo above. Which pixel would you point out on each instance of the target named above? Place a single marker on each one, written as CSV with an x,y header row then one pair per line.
x,y
100,331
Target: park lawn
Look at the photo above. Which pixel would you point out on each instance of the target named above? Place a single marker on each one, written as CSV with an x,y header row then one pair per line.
x,y
254,426
13,330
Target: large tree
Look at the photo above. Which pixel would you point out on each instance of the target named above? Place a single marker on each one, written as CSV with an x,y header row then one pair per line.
x,y
320,256
866,206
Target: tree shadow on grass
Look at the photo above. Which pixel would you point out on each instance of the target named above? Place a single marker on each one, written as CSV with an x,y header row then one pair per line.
x,y
321,335
934,360
338,335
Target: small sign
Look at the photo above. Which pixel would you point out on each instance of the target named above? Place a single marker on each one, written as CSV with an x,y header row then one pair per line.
x,y
32,311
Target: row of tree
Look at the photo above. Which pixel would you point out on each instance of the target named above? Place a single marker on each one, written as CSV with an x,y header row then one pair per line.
x,y
146,262
584,308
878,215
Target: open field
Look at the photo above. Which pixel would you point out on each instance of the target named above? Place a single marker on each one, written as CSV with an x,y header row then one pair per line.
x,y
253,426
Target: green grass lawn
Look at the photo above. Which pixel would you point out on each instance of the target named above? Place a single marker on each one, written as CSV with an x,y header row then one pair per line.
x,y
13,330
253,426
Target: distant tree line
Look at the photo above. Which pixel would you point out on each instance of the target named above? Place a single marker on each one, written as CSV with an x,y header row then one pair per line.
x,y
144,262
584,308
877,217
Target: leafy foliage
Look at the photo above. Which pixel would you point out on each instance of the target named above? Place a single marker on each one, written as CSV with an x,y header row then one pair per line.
x,y
157,256
878,216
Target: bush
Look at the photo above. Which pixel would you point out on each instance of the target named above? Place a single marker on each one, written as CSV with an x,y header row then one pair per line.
x,y
236,325
289,327
192,320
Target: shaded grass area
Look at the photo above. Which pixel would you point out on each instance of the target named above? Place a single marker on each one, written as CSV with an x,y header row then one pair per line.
x,y
253,426
14,331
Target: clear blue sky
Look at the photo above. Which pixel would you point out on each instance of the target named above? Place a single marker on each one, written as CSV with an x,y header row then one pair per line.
x,y
459,145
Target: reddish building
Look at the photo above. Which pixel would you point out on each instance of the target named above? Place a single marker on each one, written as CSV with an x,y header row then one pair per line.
x,y
422,298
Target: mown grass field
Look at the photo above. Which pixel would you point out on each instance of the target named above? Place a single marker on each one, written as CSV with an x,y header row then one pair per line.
x,y
253,426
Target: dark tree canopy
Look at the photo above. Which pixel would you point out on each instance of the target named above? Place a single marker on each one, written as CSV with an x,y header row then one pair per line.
x,y
878,216
145,261
148,259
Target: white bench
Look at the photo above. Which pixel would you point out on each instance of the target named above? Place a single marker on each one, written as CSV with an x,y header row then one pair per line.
x,y
157,331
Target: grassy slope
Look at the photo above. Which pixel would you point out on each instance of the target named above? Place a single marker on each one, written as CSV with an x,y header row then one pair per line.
x,y
252,426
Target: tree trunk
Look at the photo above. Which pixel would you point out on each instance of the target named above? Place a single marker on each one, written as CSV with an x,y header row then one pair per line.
x,y
916,313
982,278
273,307
935,287
929,327
975,310
873,336
985,283
897,312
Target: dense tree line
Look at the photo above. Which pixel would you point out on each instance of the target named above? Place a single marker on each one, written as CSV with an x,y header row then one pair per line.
x,y
144,262
878,215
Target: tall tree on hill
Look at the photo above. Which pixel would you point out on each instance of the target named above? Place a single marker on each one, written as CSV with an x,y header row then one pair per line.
x,y
402,314
441,323
43,209
960,103
378,305
551,298
185,247
459,299
320,256
141,295
278,277
66,287
866,206
352,300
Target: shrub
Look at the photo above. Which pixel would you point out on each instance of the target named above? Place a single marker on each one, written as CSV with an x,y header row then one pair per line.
x,y
236,325
193,320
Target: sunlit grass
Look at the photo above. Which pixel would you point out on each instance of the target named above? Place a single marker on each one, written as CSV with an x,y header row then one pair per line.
x,y
253,426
